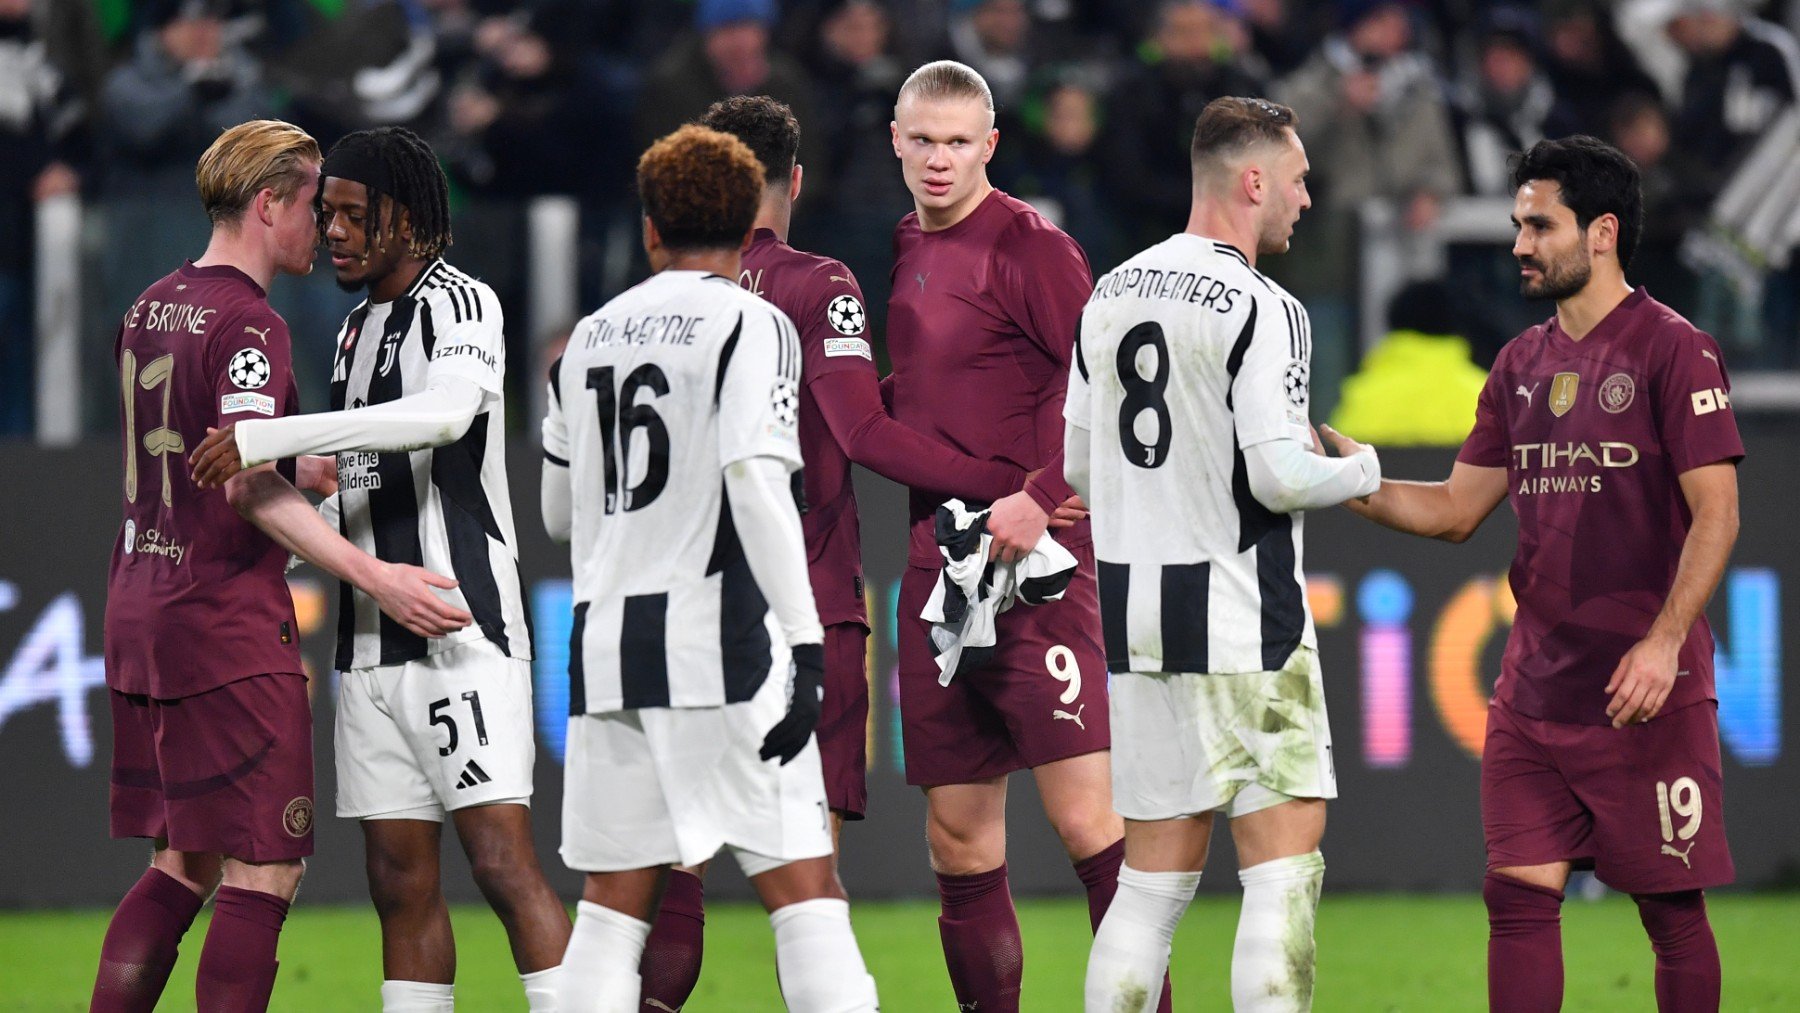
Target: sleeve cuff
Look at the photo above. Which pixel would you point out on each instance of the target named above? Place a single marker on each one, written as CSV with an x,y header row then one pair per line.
x,y
1042,497
553,459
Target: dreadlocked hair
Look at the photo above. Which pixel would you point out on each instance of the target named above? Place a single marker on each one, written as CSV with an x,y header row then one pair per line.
x,y
418,185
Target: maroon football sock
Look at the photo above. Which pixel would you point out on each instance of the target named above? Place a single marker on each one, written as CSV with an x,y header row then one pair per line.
x,y
1525,965
141,943
237,967
671,962
1100,874
1687,957
982,948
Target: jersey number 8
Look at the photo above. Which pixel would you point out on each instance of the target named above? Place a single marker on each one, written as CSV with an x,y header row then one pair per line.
x,y
620,416
1144,393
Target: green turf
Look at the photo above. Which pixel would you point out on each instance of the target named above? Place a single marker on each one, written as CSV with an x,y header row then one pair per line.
x,y
1375,953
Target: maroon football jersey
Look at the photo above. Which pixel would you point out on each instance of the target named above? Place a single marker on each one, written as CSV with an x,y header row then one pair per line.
x,y
821,297
981,328
1594,435
196,597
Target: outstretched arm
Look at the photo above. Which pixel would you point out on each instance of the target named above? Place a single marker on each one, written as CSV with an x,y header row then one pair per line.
x,y
1450,510
270,502
850,402
1286,476
437,415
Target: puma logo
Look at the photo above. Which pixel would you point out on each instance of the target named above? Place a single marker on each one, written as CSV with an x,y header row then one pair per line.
x,y
920,278
1669,849
839,277
1075,717
1709,355
659,1004
262,335
1526,394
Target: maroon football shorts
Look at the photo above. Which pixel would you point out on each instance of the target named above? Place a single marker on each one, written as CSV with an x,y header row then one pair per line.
x,y
1040,697
844,721
1643,806
228,771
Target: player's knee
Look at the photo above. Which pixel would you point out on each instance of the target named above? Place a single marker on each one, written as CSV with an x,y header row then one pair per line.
x,y
1675,922
961,848
503,880
396,885
1087,830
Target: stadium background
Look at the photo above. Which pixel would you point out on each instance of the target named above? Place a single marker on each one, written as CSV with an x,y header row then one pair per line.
x,y
538,109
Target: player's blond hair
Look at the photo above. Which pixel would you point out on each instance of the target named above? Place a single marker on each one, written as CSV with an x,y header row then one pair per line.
x,y
946,79
249,157
700,188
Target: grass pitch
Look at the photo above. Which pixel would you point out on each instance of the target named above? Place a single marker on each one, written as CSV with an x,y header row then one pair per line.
x,y
1376,952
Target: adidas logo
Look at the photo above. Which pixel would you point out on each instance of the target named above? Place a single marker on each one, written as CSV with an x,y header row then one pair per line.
x,y
472,775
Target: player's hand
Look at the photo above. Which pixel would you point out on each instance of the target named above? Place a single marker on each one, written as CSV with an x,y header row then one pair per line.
x,y
1342,445
1642,682
405,593
791,734
1016,522
216,459
1068,513
316,473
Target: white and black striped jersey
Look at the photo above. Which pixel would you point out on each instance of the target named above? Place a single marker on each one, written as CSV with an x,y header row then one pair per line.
x,y
445,508
1187,356
656,394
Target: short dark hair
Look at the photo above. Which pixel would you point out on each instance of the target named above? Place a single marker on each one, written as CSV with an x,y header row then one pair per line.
x,y
1596,179
766,125
1229,126
701,188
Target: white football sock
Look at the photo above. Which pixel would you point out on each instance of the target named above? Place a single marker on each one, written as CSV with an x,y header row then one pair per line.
x,y
1131,948
417,997
817,960
540,990
599,972
1272,963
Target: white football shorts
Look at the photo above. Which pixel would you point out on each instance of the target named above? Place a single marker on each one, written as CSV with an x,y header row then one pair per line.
x,y
673,785
445,732
1191,743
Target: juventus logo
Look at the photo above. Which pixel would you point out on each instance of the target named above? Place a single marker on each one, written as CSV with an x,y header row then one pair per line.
x,y
390,353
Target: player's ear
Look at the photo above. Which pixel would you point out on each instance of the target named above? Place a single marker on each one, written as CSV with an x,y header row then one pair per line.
x,y
1603,234
794,183
1254,184
894,136
652,239
264,204
993,141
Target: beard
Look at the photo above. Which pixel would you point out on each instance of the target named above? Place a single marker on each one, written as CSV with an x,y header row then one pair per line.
x,y
1557,280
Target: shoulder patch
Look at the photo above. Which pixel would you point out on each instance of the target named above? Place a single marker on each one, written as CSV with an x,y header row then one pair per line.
x,y
248,369
845,315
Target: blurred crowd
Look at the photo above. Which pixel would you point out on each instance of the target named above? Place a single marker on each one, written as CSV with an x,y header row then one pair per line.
x,y
1413,101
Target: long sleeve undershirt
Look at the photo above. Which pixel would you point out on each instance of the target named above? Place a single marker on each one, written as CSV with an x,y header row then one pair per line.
x,y
1286,476
768,526
852,406
437,415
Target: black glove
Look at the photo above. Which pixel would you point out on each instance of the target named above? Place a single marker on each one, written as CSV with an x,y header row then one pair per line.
x,y
807,695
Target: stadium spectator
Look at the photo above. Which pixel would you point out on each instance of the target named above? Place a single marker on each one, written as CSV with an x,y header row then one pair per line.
x,y
1196,52
1589,68
857,73
191,74
1279,32
1639,126
1373,116
361,66
995,37
1505,104
1057,170
1740,75
727,54
40,116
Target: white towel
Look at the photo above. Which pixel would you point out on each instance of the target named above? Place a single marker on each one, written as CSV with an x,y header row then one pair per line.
x,y
973,590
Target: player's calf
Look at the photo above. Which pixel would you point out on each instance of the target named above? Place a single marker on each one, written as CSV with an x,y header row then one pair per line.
x,y
143,939
1687,957
1273,960
1525,966
1128,964
237,966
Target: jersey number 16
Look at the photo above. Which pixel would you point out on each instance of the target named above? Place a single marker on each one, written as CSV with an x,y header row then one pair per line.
x,y
620,416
